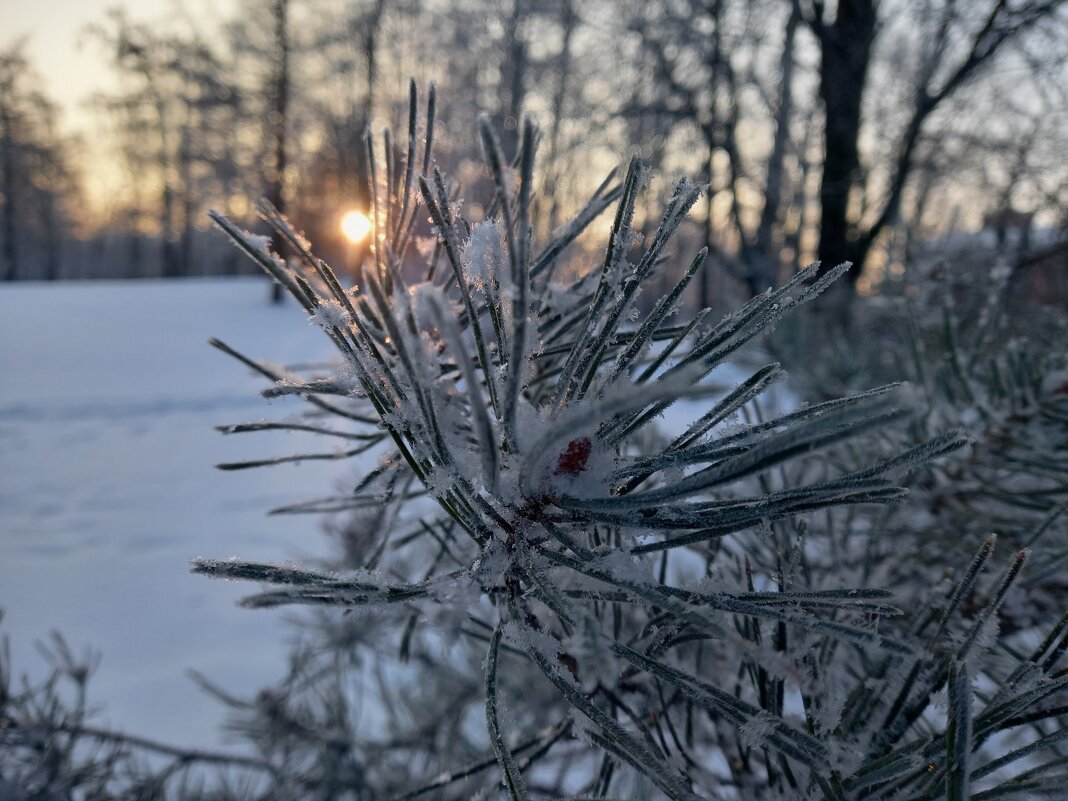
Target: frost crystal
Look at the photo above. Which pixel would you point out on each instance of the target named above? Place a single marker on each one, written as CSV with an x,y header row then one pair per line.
x,y
484,256
330,314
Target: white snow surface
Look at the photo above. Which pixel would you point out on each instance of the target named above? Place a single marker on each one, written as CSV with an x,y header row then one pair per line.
x,y
109,394
108,397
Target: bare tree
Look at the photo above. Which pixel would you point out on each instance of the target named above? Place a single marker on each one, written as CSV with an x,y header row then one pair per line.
x,y
11,66
714,66
569,23
175,117
140,54
35,173
278,119
958,46
344,98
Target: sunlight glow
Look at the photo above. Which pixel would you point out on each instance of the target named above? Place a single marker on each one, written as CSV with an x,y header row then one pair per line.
x,y
355,225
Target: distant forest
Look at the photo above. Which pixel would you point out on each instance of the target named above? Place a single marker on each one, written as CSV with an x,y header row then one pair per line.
x,y
850,131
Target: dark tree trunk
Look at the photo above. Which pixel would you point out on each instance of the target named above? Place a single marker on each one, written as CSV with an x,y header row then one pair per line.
x,y
374,26
172,262
359,251
846,49
279,116
185,159
53,245
569,21
7,186
773,185
172,265
704,275
364,115
133,250
513,77
52,225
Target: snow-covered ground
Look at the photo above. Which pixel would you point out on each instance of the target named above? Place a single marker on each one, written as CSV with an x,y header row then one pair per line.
x,y
108,395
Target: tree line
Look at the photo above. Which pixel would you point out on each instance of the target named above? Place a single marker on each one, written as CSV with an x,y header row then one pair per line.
x,y
824,130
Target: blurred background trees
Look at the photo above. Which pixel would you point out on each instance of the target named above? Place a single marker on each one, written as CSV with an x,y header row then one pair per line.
x,y
38,186
860,130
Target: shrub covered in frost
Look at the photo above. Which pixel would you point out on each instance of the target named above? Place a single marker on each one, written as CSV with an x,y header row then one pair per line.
x,y
996,373
631,614
1009,389
53,747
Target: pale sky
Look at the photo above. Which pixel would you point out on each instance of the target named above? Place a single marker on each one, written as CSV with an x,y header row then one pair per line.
x,y
73,67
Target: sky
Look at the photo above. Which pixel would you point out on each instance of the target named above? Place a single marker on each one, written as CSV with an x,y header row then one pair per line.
x,y
71,66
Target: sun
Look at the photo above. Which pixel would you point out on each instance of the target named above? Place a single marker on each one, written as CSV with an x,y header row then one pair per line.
x,y
355,225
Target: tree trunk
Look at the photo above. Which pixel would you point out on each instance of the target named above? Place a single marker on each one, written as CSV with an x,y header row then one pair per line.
x,y
279,116
7,186
374,27
185,159
170,255
172,266
846,49
52,226
569,20
513,76
53,245
773,184
704,276
133,249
